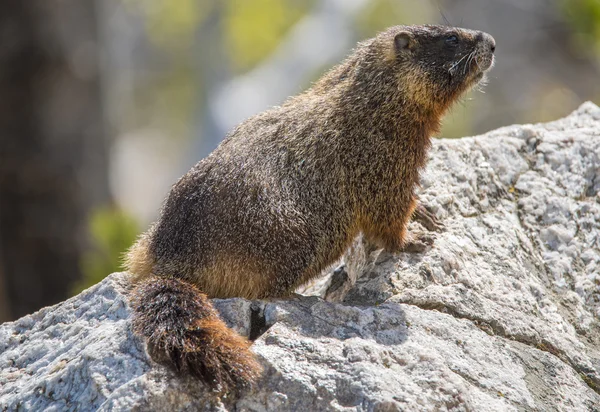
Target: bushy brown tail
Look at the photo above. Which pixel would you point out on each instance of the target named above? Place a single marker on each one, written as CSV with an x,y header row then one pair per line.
x,y
181,325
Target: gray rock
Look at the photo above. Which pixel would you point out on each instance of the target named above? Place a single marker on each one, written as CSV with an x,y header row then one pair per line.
x,y
502,313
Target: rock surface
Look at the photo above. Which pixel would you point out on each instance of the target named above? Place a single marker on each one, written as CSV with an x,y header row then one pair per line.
x,y
502,313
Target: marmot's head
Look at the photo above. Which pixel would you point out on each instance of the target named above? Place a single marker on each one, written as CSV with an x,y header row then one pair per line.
x,y
448,59
430,65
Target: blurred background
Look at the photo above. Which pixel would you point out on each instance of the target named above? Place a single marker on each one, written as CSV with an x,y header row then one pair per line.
x,y
104,104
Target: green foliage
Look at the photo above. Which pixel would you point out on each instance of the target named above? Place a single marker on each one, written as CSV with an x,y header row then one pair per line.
x,y
112,231
172,97
171,24
380,14
253,29
584,19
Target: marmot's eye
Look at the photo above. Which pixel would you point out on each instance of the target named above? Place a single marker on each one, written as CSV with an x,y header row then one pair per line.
x,y
452,40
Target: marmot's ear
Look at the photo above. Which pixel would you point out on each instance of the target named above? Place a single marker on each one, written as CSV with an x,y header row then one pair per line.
x,y
403,41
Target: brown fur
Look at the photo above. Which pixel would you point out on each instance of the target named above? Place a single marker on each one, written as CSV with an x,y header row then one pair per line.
x,y
288,190
181,324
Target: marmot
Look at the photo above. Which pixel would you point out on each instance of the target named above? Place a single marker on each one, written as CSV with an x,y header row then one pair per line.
x,y
289,189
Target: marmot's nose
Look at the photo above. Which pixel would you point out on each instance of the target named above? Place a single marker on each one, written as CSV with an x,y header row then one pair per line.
x,y
490,42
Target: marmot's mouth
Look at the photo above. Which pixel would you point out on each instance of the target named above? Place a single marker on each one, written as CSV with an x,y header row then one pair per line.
x,y
480,65
487,62
482,62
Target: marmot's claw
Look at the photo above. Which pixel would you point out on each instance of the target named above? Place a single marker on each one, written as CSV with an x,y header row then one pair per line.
x,y
427,219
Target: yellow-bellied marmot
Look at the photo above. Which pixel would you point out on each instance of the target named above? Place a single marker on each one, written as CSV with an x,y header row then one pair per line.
x,y
288,190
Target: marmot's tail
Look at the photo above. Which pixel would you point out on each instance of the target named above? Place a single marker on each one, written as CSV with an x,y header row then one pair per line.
x,y
181,325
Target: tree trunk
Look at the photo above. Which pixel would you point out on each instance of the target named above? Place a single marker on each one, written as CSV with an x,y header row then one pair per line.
x,y
53,160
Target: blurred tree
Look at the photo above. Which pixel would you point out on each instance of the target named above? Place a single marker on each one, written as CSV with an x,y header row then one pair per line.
x,y
52,150
4,302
